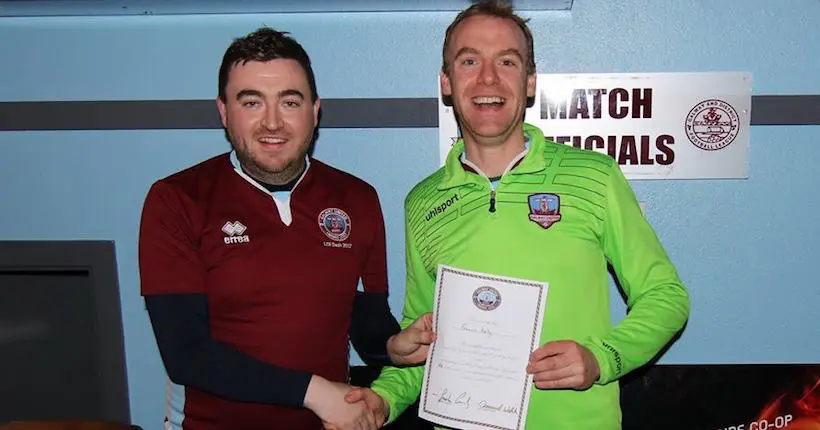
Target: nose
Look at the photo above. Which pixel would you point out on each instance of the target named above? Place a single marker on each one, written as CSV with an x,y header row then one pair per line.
x,y
489,75
273,118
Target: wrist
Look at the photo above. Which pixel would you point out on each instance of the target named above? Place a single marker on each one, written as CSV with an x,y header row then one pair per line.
x,y
313,394
390,343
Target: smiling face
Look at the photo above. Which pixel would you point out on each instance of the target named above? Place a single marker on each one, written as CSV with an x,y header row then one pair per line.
x,y
488,79
270,117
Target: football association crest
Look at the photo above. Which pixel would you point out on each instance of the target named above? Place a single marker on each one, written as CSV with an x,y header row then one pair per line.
x,y
335,224
486,298
545,209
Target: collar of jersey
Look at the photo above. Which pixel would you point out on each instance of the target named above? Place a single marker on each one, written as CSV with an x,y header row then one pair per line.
x,y
282,194
455,175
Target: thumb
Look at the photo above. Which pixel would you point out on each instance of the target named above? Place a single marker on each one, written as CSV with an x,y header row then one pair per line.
x,y
426,337
354,395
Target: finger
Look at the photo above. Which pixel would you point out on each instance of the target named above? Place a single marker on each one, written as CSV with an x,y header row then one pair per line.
x,y
549,349
425,337
555,375
554,384
371,420
549,363
427,320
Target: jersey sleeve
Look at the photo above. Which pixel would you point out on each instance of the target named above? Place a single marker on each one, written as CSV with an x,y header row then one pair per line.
x,y
657,302
168,260
400,386
194,359
374,271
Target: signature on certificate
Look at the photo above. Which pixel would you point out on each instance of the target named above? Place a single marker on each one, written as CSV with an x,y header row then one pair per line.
x,y
461,399
507,409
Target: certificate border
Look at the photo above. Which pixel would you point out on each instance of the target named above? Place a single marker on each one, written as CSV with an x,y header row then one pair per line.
x,y
533,341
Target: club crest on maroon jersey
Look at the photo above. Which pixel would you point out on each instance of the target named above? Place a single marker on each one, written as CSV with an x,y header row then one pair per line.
x,y
335,224
545,209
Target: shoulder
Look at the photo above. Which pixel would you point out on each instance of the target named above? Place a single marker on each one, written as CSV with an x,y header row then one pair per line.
x,y
346,189
425,190
192,178
189,186
583,162
340,179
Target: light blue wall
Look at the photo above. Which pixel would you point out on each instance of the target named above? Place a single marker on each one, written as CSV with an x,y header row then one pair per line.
x,y
745,248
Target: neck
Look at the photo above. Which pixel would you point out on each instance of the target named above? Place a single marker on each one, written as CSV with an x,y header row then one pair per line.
x,y
288,176
494,159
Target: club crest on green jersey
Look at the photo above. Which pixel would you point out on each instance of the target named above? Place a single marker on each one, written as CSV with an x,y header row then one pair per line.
x,y
545,209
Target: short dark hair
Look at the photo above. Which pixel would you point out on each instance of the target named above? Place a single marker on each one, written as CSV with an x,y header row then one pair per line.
x,y
494,8
265,44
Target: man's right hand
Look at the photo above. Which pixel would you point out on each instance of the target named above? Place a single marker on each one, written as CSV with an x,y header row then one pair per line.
x,y
374,402
410,346
327,400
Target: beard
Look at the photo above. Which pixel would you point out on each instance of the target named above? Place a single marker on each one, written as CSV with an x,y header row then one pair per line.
x,y
262,172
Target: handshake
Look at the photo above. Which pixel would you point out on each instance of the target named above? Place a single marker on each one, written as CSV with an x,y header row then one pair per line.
x,y
345,407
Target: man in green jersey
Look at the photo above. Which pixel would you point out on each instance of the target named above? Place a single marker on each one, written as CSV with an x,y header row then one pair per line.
x,y
510,203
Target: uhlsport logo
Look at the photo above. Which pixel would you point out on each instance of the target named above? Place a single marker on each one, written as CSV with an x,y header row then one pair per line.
x,y
486,298
335,224
234,233
441,207
545,209
712,125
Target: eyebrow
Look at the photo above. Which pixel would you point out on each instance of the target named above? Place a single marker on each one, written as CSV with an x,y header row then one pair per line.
x,y
281,94
291,92
508,51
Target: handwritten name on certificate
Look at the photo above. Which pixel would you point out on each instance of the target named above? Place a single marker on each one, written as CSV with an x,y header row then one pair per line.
x,y
486,328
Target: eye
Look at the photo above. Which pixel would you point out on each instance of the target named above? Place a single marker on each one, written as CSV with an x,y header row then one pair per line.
x,y
469,62
250,103
293,104
508,62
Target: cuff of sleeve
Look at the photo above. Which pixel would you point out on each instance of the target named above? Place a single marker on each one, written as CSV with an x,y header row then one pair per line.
x,y
609,360
390,400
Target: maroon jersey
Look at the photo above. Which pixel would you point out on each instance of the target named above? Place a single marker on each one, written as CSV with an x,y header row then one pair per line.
x,y
279,288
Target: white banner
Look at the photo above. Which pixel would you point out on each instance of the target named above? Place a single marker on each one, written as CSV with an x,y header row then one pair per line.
x,y
656,125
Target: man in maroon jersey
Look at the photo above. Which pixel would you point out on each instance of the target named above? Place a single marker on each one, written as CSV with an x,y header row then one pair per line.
x,y
250,261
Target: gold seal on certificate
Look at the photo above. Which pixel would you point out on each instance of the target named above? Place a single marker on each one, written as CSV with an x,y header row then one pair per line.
x,y
486,328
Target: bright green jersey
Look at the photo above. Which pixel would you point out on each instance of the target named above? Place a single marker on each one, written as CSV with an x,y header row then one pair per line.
x,y
560,216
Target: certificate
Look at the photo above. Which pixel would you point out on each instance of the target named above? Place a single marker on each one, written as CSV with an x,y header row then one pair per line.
x,y
486,328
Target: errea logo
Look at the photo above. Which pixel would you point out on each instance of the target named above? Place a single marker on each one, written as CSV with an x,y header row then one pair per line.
x,y
233,233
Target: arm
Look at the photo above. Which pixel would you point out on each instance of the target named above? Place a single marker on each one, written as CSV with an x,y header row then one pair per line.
x,y
371,326
372,323
192,358
657,301
400,387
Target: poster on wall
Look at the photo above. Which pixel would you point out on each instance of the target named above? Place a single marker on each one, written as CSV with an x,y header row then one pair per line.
x,y
722,397
656,125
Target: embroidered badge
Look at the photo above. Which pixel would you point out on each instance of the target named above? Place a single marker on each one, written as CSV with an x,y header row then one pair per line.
x,y
335,224
486,298
545,209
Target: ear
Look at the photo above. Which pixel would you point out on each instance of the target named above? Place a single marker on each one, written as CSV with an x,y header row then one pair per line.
x,y
316,106
444,81
220,105
531,85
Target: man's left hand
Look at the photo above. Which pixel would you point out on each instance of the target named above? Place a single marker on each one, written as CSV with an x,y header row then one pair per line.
x,y
563,364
